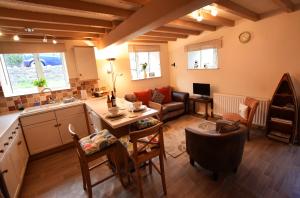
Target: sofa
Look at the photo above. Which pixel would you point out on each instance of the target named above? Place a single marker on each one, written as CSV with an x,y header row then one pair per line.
x,y
216,152
175,107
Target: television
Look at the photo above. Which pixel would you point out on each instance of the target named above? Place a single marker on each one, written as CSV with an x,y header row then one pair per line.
x,y
201,89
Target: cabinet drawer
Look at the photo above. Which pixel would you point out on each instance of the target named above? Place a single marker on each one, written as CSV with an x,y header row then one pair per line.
x,y
38,118
63,113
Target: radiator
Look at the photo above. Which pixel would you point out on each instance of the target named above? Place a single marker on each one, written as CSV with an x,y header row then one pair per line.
x,y
224,103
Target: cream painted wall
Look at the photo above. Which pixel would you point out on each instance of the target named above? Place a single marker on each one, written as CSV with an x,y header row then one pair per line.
x,y
122,65
252,69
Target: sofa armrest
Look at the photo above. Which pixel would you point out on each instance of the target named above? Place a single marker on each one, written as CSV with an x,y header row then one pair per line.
x,y
178,96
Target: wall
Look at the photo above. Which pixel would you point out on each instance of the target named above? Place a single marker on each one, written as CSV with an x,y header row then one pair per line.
x,y
251,69
122,65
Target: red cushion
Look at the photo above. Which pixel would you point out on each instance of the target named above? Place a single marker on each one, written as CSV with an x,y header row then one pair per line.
x,y
167,92
144,96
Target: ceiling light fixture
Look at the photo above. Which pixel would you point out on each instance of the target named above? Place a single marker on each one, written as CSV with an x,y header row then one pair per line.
x,y
214,12
1,33
54,41
45,39
29,30
16,37
199,17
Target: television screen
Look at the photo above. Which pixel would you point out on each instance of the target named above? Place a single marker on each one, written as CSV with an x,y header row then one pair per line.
x,y
201,89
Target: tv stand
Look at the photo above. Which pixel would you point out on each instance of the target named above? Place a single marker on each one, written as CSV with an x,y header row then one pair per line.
x,y
205,100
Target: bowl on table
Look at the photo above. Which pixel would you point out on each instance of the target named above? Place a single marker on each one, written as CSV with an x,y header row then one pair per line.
x,y
137,105
113,111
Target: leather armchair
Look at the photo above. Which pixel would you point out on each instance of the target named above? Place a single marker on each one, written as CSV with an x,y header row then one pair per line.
x,y
216,152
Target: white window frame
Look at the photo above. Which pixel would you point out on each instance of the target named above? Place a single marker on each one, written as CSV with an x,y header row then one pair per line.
x,y
215,56
5,80
148,67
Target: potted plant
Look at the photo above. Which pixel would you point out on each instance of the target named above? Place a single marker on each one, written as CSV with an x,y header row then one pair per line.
x,y
144,67
40,83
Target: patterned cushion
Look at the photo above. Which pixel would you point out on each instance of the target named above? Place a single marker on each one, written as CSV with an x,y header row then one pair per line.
x,y
97,141
146,123
125,141
224,126
158,97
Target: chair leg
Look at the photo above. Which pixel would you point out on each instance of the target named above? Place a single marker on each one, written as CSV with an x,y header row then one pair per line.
x,y
248,134
162,173
139,179
88,181
83,176
150,166
192,162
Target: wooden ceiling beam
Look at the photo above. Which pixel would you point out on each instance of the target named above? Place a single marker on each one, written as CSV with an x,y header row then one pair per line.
x,y
154,14
155,38
83,6
147,41
49,26
49,38
237,9
7,13
193,25
177,30
217,19
165,34
286,5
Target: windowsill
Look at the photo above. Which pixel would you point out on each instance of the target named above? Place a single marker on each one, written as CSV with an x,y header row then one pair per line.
x,y
148,78
203,69
37,92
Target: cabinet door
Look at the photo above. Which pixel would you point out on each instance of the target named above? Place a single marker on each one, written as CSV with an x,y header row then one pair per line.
x,y
22,151
43,136
9,174
79,123
86,63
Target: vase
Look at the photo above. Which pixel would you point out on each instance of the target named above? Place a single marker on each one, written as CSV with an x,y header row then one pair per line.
x,y
40,89
145,74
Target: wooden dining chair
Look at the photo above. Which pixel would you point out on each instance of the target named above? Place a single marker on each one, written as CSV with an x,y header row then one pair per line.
x,y
142,146
91,148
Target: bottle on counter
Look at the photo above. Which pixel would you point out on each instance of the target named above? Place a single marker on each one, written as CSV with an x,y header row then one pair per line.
x,y
113,99
109,103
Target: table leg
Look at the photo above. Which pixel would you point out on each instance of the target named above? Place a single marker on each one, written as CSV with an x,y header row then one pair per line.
x,y
206,111
212,109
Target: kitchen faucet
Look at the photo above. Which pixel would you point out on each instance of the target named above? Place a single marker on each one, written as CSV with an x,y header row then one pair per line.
x,y
50,99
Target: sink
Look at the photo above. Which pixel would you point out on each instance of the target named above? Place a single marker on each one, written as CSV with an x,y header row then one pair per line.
x,y
47,107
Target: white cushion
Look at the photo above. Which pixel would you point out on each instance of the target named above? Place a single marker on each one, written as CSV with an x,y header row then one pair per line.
x,y
243,111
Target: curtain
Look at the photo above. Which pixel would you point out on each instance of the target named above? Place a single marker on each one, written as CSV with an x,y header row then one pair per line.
x,y
216,43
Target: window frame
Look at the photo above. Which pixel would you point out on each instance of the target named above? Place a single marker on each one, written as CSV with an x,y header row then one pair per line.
x,y
136,58
216,56
5,81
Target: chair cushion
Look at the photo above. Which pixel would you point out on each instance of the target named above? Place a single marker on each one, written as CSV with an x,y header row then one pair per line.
x,y
145,123
234,117
225,126
125,141
158,97
144,96
243,111
97,141
167,92
172,106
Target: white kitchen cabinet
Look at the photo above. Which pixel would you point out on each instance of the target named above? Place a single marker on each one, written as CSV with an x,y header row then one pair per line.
x,y
42,136
79,123
86,63
9,173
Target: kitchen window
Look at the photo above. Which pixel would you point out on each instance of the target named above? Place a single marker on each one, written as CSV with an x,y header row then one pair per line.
x,y
144,62
19,70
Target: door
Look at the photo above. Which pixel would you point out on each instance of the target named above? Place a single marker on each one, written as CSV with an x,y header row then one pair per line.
x,y
43,136
79,123
8,171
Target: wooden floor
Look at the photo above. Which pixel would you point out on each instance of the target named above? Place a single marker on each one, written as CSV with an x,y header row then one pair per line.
x,y
268,169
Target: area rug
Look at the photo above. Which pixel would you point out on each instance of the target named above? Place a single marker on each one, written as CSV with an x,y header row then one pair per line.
x,y
174,133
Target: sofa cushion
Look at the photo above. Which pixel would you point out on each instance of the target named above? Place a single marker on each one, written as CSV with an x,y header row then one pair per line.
x,y
130,97
158,97
225,126
167,92
172,106
234,117
144,96
97,141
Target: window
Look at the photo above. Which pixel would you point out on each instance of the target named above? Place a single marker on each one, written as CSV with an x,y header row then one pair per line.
x,y
18,71
203,55
203,59
140,55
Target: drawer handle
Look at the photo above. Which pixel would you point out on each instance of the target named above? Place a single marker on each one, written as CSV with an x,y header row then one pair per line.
x,y
1,151
10,137
6,144
14,132
17,127
19,143
5,171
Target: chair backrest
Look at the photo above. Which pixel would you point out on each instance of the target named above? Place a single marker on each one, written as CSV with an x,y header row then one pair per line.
x,y
76,141
157,107
252,104
151,136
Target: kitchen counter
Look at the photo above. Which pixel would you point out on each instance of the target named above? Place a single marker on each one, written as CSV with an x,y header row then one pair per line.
x,y
6,120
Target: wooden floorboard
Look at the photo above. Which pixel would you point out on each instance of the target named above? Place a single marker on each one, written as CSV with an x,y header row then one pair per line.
x,y
268,169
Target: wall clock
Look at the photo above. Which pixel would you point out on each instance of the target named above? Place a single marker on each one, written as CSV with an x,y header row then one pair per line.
x,y
245,37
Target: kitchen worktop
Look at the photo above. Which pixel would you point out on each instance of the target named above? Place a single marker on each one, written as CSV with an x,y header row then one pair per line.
x,y
6,120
